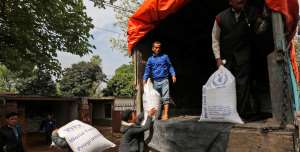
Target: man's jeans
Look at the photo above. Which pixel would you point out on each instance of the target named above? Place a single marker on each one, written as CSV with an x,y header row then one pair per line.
x,y
163,89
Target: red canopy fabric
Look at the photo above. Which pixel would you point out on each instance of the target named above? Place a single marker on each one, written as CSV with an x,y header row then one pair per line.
x,y
148,16
294,61
290,10
152,12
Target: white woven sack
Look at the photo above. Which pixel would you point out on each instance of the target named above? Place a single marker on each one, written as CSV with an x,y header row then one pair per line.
x,y
151,99
219,98
82,137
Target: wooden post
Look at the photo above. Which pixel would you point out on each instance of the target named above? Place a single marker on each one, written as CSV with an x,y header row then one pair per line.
x,y
138,65
2,110
280,81
84,112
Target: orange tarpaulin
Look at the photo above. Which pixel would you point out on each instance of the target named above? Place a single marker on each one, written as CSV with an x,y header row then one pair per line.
x,y
152,12
290,10
148,16
294,61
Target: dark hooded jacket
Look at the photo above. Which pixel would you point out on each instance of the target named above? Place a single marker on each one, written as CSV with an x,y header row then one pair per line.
x,y
10,140
133,136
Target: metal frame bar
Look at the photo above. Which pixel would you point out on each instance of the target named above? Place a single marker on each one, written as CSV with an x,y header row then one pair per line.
x,y
280,81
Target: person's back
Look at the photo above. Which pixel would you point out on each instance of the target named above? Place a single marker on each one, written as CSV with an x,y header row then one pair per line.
x,y
133,133
131,140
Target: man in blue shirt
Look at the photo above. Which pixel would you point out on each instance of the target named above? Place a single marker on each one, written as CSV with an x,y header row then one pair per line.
x,y
159,67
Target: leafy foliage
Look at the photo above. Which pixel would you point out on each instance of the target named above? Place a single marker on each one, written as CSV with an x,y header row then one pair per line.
x,y
83,78
7,80
96,60
40,83
122,83
122,17
124,10
32,31
101,3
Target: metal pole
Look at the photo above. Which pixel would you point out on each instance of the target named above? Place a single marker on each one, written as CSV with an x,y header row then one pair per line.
x,y
138,80
280,81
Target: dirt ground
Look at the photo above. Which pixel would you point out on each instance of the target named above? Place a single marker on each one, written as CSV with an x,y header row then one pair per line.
x,y
35,142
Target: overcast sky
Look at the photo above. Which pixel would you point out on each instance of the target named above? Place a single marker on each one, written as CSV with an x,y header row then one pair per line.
x,y
104,21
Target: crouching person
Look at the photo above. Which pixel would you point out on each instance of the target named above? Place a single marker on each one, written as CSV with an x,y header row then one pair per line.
x,y
59,144
133,132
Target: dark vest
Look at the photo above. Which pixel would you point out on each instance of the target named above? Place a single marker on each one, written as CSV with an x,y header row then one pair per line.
x,y
236,36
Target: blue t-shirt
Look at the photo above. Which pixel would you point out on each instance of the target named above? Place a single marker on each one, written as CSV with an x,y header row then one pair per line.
x,y
159,67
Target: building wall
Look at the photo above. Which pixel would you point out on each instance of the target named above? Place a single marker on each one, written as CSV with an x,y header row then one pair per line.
x,y
102,113
36,111
2,113
120,104
116,122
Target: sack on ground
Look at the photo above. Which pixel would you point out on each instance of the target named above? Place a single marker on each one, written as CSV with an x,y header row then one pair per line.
x,y
219,98
151,99
82,137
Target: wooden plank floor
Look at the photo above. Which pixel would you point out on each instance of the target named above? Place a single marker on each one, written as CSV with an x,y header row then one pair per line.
x,y
262,136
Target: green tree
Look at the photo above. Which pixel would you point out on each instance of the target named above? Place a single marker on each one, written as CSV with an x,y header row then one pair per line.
x,y
122,16
40,83
124,9
82,79
122,83
32,31
7,80
96,60
102,3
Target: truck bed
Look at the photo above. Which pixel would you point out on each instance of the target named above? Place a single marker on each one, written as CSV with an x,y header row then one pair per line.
x,y
187,134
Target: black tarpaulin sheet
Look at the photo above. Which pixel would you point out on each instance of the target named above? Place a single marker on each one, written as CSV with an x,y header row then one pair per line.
x,y
188,135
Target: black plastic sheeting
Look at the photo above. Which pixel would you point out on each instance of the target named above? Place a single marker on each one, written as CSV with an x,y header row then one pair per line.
x,y
189,135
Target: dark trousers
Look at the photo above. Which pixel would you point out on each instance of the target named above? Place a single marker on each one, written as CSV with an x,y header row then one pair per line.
x,y
242,73
48,137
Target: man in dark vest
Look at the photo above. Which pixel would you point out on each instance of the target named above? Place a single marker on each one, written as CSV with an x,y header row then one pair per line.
x,y
231,41
11,135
